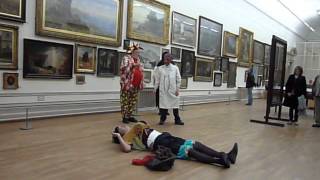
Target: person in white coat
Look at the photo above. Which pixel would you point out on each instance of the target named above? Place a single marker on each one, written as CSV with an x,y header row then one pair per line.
x,y
168,81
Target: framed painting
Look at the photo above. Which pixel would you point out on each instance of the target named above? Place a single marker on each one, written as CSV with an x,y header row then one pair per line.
x,y
148,21
224,64
217,64
8,47
209,37
120,57
267,52
10,81
187,63
232,78
147,74
225,77
13,10
184,83
150,55
81,20
47,60
85,59
178,64
176,53
217,79
245,47
230,44
203,70
107,62
80,79
126,44
258,52
183,30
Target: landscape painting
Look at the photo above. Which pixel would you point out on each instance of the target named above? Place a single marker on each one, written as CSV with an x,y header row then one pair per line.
x,y
107,62
150,55
14,10
204,70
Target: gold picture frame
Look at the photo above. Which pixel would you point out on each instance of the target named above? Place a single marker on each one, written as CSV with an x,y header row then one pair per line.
x,y
85,59
58,20
147,30
10,81
13,10
9,47
203,70
230,44
245,51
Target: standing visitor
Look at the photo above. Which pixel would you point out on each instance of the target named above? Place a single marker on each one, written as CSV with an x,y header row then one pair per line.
x,y
249,85
316,97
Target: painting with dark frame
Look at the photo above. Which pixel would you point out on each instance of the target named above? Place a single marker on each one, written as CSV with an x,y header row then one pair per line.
x,y
184,30
225,77
267,52
85,59
209,37
13,10
8,47
230,44
217,79
187,63
258,52
10,81
126,44
232,78
203,70
80,79
120,57
176,53
245,47
47,60
107,62
184,83
81,20
224,64
217,64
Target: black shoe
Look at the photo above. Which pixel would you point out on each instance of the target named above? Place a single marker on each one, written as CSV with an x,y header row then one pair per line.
x,y
161,122
316,125
179,123
225,161
168,114
232,155
125,120
132,119
248,104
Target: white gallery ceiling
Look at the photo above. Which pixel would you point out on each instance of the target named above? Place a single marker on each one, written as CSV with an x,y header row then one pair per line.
x,y
299,16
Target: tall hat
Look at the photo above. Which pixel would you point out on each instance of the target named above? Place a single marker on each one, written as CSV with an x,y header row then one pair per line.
x,y
133,47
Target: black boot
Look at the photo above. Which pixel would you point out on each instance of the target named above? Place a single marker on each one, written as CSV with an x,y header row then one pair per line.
x,y
132,119
225,161
232,155
178,122
125,120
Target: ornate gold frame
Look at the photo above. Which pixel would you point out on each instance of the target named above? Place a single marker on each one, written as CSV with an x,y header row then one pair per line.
x,y
145,37
226,35
250,53
77,69
82,37
15,38
16,83
203,78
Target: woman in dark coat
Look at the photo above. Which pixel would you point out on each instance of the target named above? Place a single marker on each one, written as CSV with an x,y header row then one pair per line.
x,y
296,86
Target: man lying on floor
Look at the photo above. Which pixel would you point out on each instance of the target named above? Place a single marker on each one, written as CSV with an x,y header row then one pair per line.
x,y
142,137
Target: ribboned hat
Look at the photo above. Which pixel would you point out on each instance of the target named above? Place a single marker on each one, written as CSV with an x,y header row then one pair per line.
x,y
133,47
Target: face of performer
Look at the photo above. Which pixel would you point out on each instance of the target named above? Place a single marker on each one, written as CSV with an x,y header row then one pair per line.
x,y
298,71
123,129
135,54
167,59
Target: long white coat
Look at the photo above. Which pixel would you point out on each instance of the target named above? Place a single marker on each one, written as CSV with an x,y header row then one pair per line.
x,y
168,79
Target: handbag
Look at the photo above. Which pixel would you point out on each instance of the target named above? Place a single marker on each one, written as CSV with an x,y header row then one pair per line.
x,y
163,161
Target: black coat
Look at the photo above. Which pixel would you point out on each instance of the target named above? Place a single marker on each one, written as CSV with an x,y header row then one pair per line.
x,y
250,82
297,87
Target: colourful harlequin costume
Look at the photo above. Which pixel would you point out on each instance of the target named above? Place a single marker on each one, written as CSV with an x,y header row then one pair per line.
x,y
131,82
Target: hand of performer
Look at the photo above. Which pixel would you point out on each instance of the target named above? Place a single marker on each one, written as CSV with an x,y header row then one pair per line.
x,y
177,93
116,135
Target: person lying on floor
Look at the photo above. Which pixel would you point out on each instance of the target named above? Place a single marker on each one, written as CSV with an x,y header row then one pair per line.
x,y
142,137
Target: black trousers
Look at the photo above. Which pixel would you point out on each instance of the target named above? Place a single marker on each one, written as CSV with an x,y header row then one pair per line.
x,y
164,112
296,114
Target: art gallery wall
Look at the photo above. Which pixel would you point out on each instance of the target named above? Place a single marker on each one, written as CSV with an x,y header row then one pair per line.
x,y
232,14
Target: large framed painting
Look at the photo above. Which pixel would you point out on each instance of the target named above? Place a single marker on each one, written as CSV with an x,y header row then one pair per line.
x,y
217,79
183,30
107,62
267,52
258,52
230,44
150,55
47,60
176,53
85,59
184,83
187,63
203,70
224,64
245,47
209,37
232,75
148,21
92,21
14,10
8,47
10,81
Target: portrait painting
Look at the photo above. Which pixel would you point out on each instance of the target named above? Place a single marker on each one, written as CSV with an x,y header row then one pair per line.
x,y
92,21
230,44
258,52
80,79
232,78
183,30
245,47
8,47
150,55
187,63
107,62
267,54
147,74
13,10
148,21
85,61
224,64
203,70
47,60
217,79
10,81
184,83
176,53
209,37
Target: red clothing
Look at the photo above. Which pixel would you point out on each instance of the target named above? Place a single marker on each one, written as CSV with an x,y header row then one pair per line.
x,y
131,76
